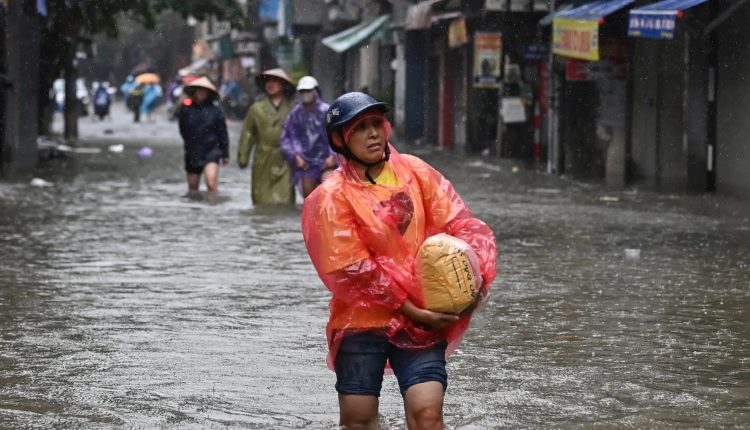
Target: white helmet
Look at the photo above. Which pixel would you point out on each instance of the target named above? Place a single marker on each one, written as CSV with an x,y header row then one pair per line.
x,y
307,83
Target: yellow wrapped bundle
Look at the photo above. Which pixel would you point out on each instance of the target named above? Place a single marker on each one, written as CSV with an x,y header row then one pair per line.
x,y
449,272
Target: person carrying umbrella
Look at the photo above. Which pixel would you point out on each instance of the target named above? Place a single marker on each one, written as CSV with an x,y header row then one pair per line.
x,y
204,131
271,175
304,142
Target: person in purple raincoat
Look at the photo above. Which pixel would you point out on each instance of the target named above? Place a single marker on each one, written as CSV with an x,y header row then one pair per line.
x,y
304,141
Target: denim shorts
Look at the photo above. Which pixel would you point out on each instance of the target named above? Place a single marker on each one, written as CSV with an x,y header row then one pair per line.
x,y
360,363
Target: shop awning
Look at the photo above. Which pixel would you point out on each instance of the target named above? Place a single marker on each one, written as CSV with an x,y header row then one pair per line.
x,y
658,20
594,10
358,35
547,19
575,31
41,7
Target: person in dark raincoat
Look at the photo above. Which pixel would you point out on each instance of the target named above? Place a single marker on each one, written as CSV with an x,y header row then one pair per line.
x,y
363,228
135,99
204,131
271,174
304,142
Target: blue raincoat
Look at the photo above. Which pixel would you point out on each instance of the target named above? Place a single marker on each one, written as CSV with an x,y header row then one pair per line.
x,y
151,97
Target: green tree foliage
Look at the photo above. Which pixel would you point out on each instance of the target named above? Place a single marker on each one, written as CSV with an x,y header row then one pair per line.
x,y
163,49
97,16
225,10
68,22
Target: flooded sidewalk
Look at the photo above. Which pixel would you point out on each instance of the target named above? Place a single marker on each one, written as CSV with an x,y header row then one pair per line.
x,y
126,303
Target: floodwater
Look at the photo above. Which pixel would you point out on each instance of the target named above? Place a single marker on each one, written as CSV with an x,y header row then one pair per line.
x,y
125,303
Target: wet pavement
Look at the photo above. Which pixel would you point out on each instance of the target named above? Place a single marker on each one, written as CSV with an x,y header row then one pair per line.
x,y
126,303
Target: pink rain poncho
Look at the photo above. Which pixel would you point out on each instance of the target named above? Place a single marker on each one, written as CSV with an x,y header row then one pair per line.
x,y
363,240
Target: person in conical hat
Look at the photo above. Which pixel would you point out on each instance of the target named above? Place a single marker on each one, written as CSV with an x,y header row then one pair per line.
x,y
204,131
202,82
277,73
363,228
261,134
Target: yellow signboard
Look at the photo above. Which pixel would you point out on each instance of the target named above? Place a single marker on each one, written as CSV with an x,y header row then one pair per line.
x,y
576,38
457,34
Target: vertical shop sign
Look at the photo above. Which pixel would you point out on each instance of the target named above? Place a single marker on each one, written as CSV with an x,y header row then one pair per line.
x,y
576,38
457,35
544,86
488,54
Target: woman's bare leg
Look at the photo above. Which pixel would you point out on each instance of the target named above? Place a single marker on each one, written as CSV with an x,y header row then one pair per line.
x,y
194,181
308,185
211,172
358,411
423,404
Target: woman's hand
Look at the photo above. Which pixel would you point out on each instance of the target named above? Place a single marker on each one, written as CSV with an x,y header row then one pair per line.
x,y
301,163
477,301
330,162
426,316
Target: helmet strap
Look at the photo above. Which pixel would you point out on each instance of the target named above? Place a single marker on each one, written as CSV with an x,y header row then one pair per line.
x,y
347,153
371,165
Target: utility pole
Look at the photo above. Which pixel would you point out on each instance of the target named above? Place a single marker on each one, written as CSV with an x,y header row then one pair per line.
x,y
553,136
23,36
71,113
4,83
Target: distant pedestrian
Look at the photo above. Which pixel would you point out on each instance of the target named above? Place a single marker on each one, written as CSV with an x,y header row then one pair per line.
x,y
363,228
271,175
304,142
135,100
126,87
204,131
102,101
151,96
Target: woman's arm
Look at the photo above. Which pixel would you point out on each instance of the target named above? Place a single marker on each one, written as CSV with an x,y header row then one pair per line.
x,y
446,212
426,316
288,138
221,129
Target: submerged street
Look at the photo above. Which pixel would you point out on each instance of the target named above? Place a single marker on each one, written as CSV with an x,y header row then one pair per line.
x,y
126,303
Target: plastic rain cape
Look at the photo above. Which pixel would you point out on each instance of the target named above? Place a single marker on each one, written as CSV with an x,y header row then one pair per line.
x,y
304,134
363,240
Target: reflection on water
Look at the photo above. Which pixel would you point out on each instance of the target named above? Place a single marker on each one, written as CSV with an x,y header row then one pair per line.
x,y
127,303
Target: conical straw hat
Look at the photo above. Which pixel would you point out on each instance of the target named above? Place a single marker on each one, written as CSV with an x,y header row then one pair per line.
x,y
276,73
202,82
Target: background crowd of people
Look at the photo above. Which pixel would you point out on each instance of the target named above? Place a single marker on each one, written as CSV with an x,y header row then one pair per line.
x,y
283,129
284,135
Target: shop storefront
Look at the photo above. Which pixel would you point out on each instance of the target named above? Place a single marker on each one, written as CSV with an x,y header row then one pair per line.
x,y
507,58
457,85
590,74
672,136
